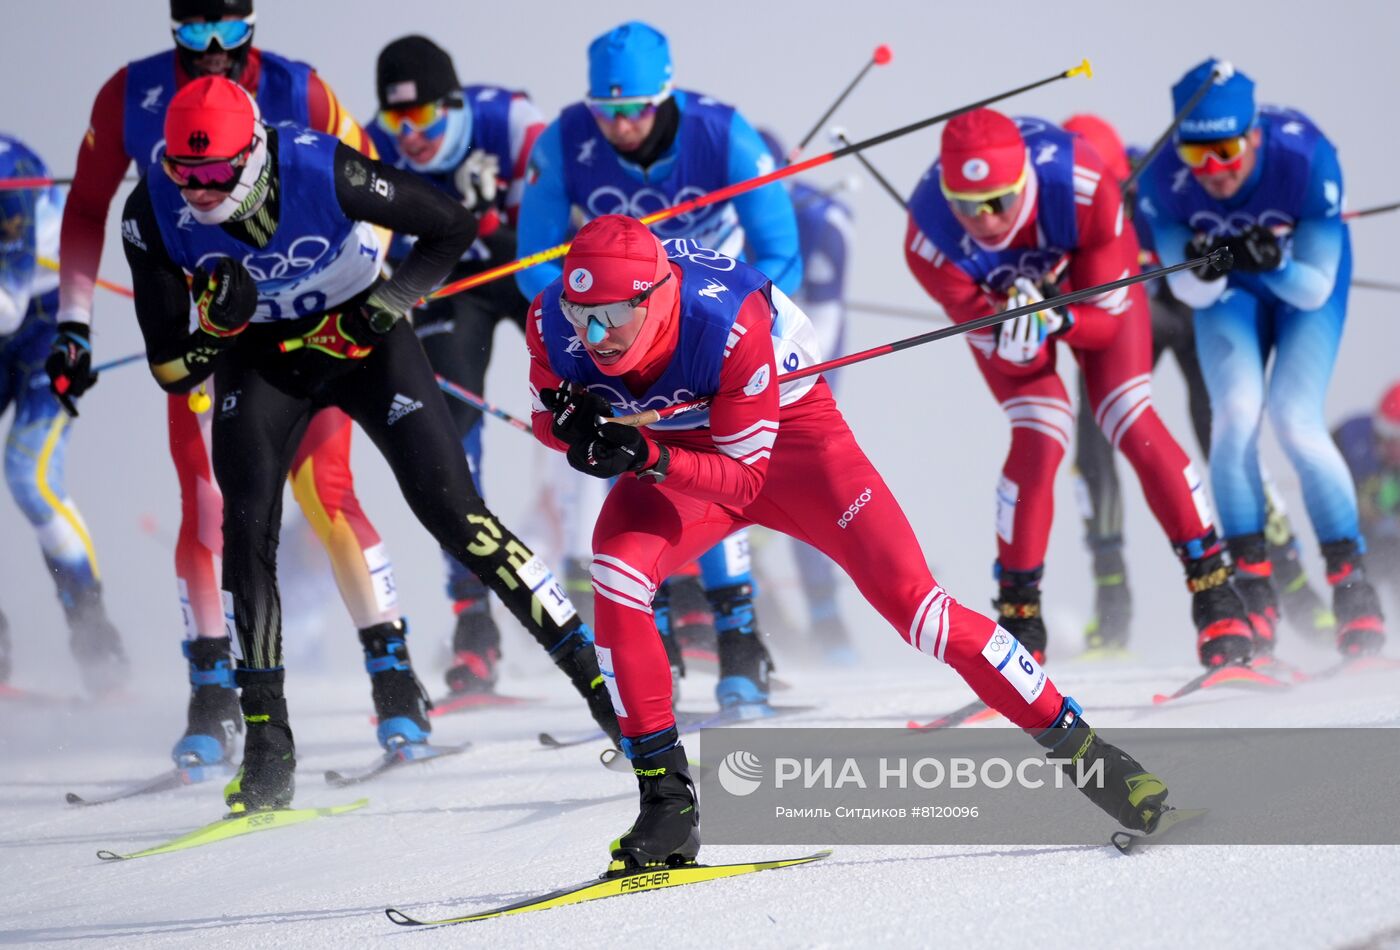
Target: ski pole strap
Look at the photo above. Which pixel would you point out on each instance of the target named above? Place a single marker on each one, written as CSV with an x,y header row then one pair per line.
x,y
1221,259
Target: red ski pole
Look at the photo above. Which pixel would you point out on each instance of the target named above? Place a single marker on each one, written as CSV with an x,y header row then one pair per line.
x,y
880,57
1220,259
743,187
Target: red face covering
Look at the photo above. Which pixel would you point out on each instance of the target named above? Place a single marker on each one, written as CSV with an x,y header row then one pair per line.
x,y
615,258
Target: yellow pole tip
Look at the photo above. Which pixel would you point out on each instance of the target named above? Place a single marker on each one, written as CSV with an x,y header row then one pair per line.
x,y
200,401
1085,69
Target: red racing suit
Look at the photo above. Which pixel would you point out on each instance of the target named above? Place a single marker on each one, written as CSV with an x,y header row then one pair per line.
x,y
785,460
1110,337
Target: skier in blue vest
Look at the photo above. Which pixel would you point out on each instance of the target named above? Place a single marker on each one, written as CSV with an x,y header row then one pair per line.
x,y
634,146
1266,183
37,445
276,229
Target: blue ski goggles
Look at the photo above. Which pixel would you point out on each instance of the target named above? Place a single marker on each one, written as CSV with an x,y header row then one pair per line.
x,y
198,36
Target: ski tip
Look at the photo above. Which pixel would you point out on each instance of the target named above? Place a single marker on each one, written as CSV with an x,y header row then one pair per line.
x,y
400,918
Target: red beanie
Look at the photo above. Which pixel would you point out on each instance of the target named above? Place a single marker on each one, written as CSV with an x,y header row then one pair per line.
x,y
209,118
611,258
983,154
1103,138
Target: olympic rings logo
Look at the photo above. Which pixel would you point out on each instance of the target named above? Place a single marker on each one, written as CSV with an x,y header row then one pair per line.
x,y
1236,222
302,256
1032,264
613,200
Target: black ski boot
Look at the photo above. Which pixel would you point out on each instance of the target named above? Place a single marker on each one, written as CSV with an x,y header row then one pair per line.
x,y
267,778
1360,623
1302,607
692,618
476,648
578,584
1109,628
95,642
214,717
577,658
744,662
661,613
1018,608
1254,582
6,662
399,700
667,830
1129,793
1224,635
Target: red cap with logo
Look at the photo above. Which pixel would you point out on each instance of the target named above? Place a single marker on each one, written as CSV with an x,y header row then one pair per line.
x,y
982,154
612,258
210,117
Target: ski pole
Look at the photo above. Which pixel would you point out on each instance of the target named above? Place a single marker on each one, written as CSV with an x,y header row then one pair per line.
x,y
1218,71
118,289
1220,259
880,57
121,361
1375,284
1366,212
743,187
891,310
840,135
472,399
21,184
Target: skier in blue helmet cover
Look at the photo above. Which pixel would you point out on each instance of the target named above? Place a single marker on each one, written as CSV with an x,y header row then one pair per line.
x,y
635,145
1265,182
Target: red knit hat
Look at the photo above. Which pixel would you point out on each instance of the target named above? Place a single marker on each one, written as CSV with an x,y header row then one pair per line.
x,y
210,118
1103,138
612,258
983,154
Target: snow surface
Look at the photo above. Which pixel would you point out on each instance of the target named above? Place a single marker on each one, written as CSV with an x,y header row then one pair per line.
x,y
508,819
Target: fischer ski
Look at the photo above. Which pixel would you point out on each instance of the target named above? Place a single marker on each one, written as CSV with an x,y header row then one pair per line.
x,y
648,880
1171,818
399,756
164,782
236,826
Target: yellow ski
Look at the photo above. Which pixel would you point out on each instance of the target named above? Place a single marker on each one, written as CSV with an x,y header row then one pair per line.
x,y
599,888
237,826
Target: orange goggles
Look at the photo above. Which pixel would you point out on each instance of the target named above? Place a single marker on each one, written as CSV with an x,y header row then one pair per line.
x,y
427,118
1226,152
998,201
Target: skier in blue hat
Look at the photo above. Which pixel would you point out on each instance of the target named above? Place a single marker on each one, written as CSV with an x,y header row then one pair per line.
x,y
1265,182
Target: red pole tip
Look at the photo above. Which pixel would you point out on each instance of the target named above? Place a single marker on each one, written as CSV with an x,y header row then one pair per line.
x,y
882,55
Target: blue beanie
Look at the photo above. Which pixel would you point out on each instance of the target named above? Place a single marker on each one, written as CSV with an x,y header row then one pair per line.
x,y
1226,110
633,59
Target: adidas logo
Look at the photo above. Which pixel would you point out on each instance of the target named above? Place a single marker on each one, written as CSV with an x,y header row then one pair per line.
x,y
402,406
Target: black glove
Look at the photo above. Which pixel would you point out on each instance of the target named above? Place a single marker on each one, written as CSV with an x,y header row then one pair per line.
x,y
1257,250
615,450
225,298
1202,245
69,364
575,412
